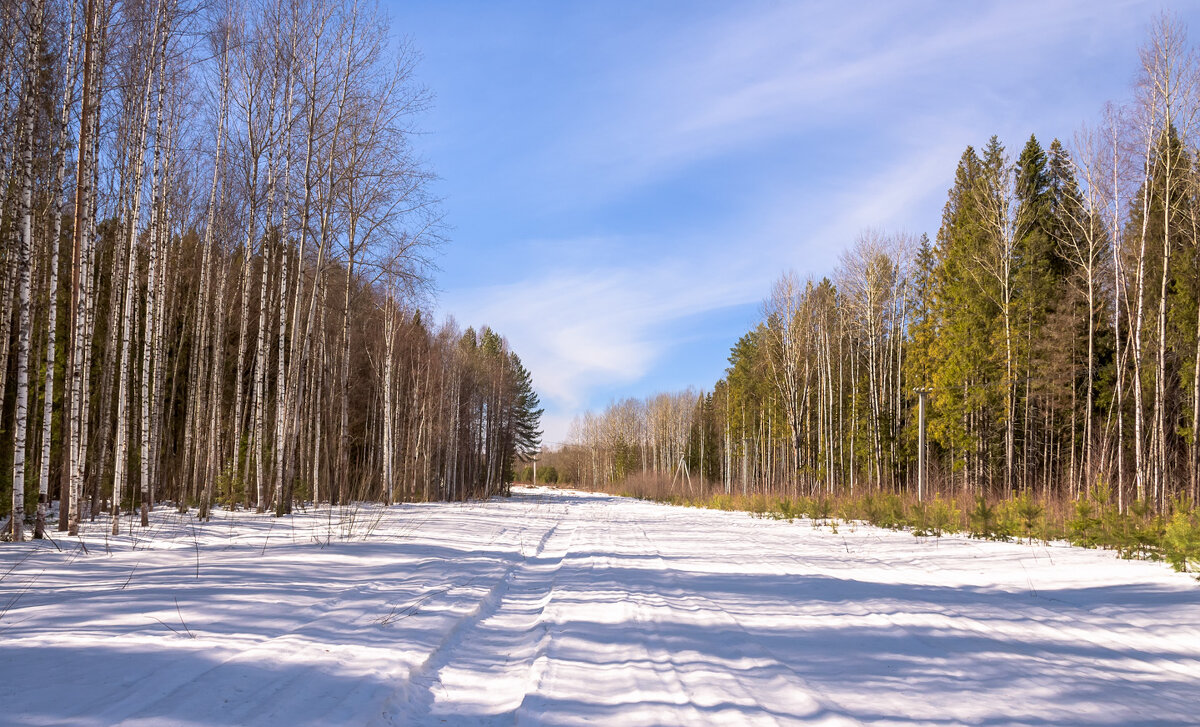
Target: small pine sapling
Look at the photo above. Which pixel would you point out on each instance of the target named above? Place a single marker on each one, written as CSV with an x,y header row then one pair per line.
x,y
920,517
1028,511
1181,541
983,519
822,508
943,516
1084,528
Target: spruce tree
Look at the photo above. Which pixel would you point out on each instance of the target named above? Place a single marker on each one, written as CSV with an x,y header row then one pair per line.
x,y
962,353
1046,313
922,331
526,414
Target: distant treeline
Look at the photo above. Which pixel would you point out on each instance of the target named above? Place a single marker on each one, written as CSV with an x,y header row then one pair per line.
x,y
1054,321
214,241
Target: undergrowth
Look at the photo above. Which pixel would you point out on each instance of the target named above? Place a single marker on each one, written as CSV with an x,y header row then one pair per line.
x,y
1090,522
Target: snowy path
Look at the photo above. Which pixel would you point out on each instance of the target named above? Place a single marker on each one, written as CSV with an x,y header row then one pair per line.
x,y
567,608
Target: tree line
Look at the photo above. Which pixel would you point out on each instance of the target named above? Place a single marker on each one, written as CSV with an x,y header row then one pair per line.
x,y
215,241
1053,323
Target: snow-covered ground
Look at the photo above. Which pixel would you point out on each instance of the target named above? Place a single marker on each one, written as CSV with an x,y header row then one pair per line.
x,y
568,608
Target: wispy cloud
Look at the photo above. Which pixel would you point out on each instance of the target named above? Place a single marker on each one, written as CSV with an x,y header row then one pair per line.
x,y
581,326
799,123
577,328
596,320
742,80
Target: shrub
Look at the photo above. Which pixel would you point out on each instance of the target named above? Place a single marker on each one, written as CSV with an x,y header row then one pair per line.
x,y
784,511
1028,513
1084,528
1181,541
1140,533
986,521
885,510
821,509
943,516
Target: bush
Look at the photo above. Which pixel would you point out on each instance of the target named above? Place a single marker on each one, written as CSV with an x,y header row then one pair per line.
x,y
921,518
821,510
757,504
987,521
1138,533
784,511
1084,528
1028,513
942,516
885,510
1181,541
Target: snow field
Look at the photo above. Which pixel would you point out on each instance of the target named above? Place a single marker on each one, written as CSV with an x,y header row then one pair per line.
x,y
555,607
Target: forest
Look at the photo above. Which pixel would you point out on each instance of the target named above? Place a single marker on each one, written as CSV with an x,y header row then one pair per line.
x,y
254,473
216,248
1052,325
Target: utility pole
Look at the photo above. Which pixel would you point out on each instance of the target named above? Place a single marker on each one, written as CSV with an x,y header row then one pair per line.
x,y
921,394
535,480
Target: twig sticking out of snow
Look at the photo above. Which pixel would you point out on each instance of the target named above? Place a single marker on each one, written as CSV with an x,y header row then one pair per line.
x,y
186,631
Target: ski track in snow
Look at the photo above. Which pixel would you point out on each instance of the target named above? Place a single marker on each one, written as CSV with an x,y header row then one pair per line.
x,y
566,608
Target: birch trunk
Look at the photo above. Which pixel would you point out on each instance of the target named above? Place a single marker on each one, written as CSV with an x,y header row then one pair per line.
x,y
24,263
151,325
81,300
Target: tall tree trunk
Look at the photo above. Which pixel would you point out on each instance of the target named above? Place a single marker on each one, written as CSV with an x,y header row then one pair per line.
x,y
80,280
24,263
151,323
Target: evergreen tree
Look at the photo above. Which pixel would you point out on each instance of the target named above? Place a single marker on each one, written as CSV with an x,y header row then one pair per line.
x,y
962,356
922,331
526,414
1046,313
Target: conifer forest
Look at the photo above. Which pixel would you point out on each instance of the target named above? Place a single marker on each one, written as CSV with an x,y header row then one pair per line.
x,y
255,473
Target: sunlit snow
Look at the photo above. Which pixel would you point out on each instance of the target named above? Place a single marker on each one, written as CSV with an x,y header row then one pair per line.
x,y
558,608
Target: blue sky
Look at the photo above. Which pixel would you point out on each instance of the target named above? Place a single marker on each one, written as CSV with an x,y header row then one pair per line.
x,y
624,180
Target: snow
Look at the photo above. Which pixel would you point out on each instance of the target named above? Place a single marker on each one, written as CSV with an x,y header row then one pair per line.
x,y
563,608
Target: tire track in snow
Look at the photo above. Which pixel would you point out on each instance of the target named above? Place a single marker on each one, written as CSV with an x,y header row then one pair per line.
x,y
647,611
483,666
799,700
662,670
1058,634
582,677
265,702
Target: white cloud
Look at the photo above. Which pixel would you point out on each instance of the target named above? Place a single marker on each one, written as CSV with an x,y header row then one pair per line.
x,y
576,329
580,327
606,308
